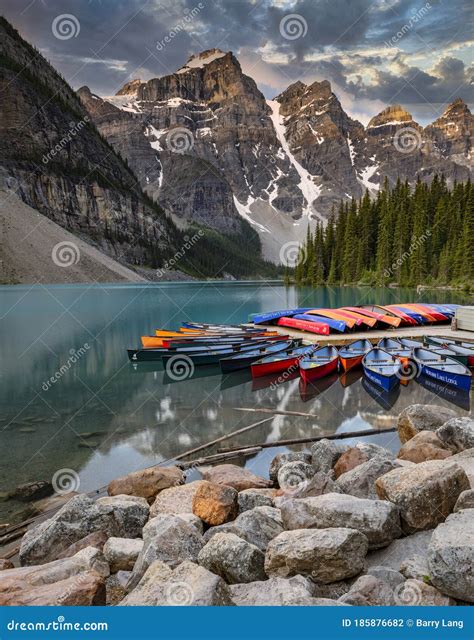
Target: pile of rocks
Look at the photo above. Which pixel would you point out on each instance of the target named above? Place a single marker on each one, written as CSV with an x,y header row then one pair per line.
x,y
337,525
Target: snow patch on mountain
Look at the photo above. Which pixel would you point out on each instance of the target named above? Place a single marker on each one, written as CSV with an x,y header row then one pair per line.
x,y
365,175
200,60
244,212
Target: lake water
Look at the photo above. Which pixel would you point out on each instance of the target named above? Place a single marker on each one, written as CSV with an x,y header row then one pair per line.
x,y
103,417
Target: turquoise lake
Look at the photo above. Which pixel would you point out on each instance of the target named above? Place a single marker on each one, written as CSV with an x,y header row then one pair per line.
x,y
103,417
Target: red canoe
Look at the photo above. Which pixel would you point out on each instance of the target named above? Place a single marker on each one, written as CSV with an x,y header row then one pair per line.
x,y
323,362
306,325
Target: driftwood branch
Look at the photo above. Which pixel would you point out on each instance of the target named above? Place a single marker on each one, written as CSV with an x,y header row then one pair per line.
x,y
278,412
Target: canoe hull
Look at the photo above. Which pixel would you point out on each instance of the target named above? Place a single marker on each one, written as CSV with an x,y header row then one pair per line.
x,y
351,362
271,368
305,325
387,383
459,381
320,371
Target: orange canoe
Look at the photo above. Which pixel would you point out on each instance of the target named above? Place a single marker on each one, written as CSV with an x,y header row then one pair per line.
x,y
329,313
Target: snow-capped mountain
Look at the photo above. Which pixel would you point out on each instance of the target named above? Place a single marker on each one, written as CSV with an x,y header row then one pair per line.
x,y
209,148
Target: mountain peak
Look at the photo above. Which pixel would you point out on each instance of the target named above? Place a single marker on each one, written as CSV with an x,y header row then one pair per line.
x,y
129,87
456,108
199,60
392,115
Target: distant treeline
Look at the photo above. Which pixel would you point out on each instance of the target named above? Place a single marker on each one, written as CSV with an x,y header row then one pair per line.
x,y
423,235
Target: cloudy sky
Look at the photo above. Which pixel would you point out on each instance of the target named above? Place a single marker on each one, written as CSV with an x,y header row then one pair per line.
x,y
412,52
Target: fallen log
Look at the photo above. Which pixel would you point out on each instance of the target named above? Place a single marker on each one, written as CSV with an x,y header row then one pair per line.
x,y
278,412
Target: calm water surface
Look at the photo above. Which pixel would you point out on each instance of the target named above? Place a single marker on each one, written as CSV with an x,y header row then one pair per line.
x,y
104,417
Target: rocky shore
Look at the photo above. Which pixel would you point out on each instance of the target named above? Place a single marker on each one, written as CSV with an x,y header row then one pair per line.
x,y
334,525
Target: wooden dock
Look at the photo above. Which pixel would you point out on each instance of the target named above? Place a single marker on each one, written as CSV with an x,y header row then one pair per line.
x,y
339,339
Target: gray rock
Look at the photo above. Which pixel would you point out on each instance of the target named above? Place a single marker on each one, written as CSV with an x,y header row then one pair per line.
x,y
121,553
465,459
425,494
188,585
251,498
422,417
378,520
282,458
360,481
233,558
369,591
457,433
169,539
257,526
294,476
372,450
416,568
465,500
320,483
325,454
451,556
286,592
388,575
195,521
400,550
414,593
120,516
326,555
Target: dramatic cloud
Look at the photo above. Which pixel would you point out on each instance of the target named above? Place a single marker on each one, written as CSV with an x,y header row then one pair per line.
x,y
414,52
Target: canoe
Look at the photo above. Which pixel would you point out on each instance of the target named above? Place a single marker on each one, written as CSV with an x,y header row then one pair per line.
x,y
218,342
350,356
435,314
337,325
365,320
410,343
406,320
209,356
242,360
417,317
459,397
329,313
213,327
344,315
150,355
458,348
395,347
415,308
382,318
286,361
382,368
442,368
271,316
305,325
319,364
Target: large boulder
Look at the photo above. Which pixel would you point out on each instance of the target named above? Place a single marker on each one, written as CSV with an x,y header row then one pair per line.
x,y
257,526
85,590
146,483
465,500
233,558
167,538
325,454
400,550
251,498
294,476
386,574
425,494
360,481
424,446
236,477
282,458
350,459
188,585
97,539
215,503
175,499
378,520
120,516
422,417
451,556
369,590
121,553
416,568
416,593
457,433
325,555
282,592
320,483
465,459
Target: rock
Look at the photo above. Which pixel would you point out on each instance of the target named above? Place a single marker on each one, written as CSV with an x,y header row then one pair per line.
x,y
414,593
334,590
236,477
325,454
422,417
457,433
121,553
387,575
425,445
115,588
175,500
215,503
416,567
233,558
465,459
360,481
282,458
54,502
169,539
372,450
451,556
120,516
425,494
147,483
400,550
32,491
85,590
378,520
6,564
326,555
294,476
190,518
320,483
257,526
188,585
97,539
465,500
283,592
251,498
349,460
369,591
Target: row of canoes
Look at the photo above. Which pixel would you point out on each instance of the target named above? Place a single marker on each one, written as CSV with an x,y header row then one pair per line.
x,y
324,321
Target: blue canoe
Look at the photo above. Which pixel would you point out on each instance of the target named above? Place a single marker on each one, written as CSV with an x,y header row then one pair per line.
x,y
382,368
442,368
417,317
337,325
265,318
